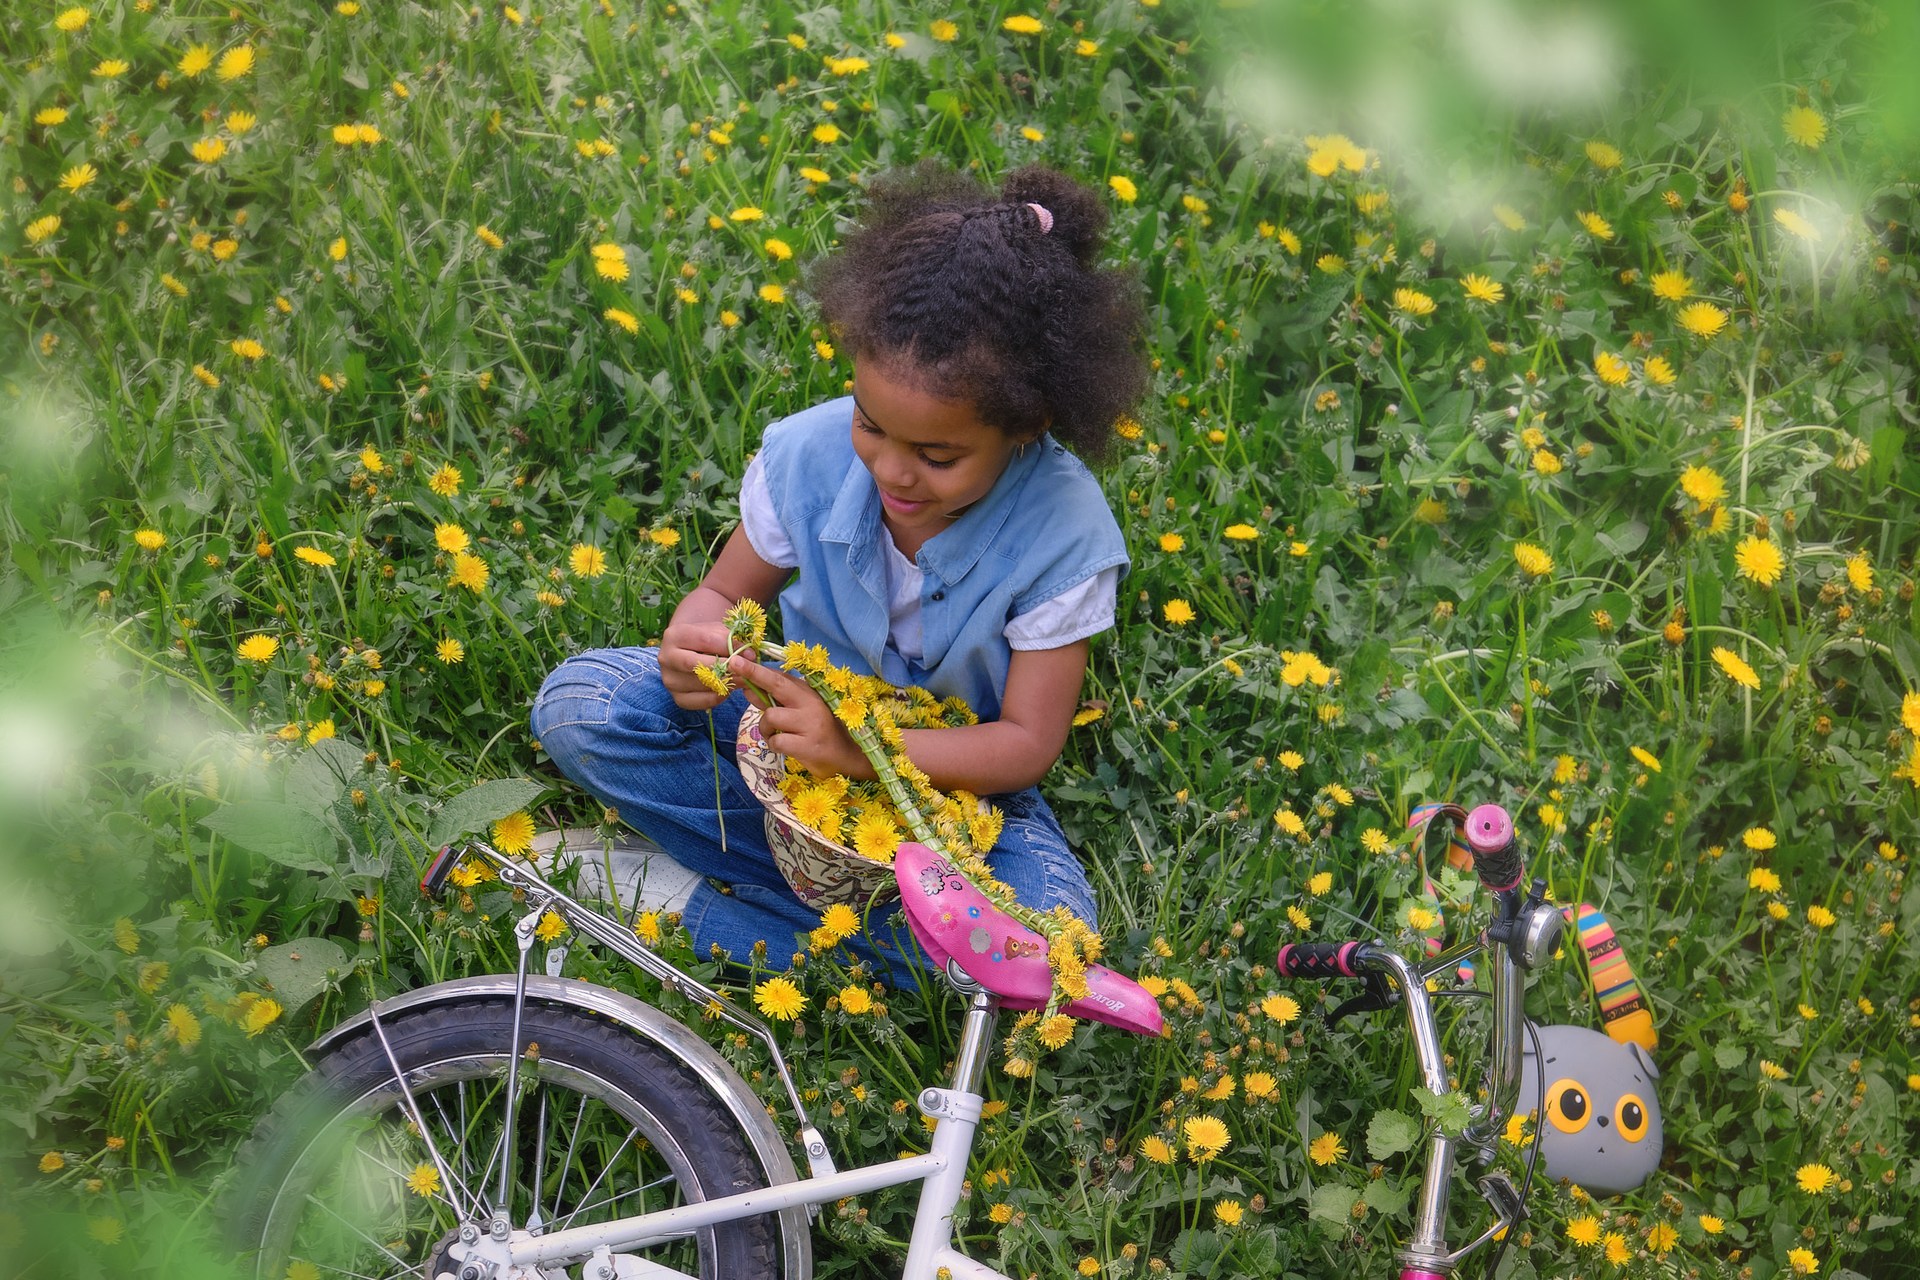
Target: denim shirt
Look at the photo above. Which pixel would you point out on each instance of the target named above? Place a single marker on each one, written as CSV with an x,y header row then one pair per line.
x,y
1044,527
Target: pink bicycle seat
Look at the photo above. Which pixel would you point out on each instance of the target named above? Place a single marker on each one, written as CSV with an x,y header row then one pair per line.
x,y
955,921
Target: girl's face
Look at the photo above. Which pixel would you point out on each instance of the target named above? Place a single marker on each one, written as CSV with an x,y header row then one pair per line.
x,y
931,458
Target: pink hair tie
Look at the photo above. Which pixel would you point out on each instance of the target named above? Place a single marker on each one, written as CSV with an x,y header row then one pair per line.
x,y
1045,215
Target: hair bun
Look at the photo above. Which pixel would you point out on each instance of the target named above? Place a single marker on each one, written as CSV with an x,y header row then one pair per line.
x,y
1079,215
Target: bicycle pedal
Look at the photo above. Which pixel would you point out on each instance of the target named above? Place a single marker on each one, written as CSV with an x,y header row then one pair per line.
x,y
1498,1190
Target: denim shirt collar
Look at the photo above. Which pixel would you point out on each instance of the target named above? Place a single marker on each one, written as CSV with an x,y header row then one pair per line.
x,y
855,520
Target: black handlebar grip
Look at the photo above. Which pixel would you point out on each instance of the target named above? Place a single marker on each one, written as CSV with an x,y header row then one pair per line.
x,y
1496,854
1318,960
434,882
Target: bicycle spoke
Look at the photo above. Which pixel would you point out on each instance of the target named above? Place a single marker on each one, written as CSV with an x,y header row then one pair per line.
x,y
566,1165
635,1191
324,1207
534,1222
605,1169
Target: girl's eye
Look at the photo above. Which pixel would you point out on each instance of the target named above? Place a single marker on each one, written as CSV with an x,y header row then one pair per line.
x,y
938,464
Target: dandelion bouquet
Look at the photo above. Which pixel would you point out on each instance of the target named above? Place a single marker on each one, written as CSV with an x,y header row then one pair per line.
x,y
902,803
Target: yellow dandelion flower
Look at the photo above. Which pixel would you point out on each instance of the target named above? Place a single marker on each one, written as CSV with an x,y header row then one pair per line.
x,y
1412,302
247,349
315,556
1604,155
469,571
1796,224
70,20
779,998
1672,286
424,1180
514,833
1482,289
1156,1149
1178,612
1207,1138
450,652
265,1011
1804,127
111,68
826,133
1659,371
875,836
450,538
258,648
1533,561
445,481
1702,319
183,1026
1326,1149
1022,24
610,261
195,61
235,62
78,176
1597,227
1759,560
1735,667
1612,369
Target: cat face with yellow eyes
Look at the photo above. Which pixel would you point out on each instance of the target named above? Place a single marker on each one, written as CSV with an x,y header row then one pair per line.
x,y
1601,1124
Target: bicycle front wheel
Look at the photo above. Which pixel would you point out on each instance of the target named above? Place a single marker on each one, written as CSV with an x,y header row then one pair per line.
x,y
338,1180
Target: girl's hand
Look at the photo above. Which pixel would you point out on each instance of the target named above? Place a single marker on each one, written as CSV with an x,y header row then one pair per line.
x,y
798,723
684,646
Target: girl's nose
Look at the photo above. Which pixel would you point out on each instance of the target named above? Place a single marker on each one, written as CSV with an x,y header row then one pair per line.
x,y
891,470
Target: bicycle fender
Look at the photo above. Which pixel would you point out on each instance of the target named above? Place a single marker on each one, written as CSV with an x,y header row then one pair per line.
x,y
650,1024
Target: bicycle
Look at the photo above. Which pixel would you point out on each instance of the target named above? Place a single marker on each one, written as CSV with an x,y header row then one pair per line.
x,y
517,1126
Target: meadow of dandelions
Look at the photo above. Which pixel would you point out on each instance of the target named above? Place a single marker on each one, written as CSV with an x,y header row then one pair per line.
x,y
363,362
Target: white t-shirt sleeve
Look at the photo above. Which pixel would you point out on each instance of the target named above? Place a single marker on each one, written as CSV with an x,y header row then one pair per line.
x,y
764,532
1074,614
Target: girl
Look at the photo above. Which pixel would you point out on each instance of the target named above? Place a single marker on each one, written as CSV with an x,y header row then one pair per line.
x,y
930,528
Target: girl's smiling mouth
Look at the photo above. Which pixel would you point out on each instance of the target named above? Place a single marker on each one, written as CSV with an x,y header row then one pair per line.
x,y
899,506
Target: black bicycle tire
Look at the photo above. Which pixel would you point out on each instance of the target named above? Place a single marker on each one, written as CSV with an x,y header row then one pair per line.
x,y
717,1158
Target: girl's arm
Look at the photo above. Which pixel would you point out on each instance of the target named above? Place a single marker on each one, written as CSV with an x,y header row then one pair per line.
x,y
696,635
1008,754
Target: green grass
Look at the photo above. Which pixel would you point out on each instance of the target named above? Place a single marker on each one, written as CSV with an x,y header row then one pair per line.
x,y
1386,458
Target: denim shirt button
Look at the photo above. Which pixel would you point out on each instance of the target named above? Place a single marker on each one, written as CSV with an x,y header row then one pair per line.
x,y
939,595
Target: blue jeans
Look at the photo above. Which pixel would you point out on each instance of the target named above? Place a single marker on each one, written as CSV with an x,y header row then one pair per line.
x,y
610,725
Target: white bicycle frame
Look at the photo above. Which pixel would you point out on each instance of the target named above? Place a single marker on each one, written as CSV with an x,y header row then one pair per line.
x,y
492,1251
942,1170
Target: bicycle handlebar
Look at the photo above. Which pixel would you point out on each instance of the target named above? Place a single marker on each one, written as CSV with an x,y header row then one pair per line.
x,y
1320,959
1496,854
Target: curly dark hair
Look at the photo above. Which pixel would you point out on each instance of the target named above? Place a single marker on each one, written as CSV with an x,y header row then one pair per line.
x,y
974,296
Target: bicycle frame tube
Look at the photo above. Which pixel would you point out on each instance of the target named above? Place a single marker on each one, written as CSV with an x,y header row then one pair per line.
x,y
1426,1256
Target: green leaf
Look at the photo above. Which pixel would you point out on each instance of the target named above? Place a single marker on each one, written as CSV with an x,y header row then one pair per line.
x,y
296,972
1332,1204
1384,1195
1391,1132
1729,1055
284,833
320,775
1448,1110
477,806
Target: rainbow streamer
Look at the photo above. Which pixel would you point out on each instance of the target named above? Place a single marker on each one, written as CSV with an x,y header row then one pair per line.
x,y
1624,1014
